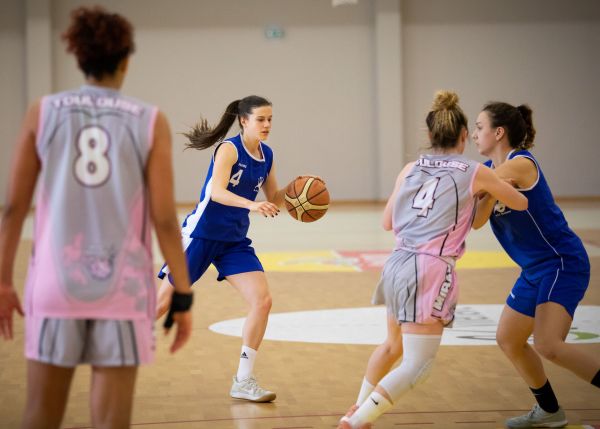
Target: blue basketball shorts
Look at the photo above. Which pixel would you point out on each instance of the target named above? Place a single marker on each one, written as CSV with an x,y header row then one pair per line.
x,y
229,258
566,288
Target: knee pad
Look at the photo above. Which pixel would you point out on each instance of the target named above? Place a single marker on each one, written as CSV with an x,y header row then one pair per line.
x,y
423,373
419,355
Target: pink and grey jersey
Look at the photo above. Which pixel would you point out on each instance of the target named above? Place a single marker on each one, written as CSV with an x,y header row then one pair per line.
x,y
434,208
92,249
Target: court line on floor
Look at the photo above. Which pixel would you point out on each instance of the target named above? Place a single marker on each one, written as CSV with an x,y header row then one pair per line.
x,y
397,413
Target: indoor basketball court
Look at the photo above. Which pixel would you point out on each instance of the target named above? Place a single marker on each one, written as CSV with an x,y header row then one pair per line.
x,y
322,330
350,82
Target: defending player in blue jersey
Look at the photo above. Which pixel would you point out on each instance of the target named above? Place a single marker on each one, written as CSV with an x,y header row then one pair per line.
x,y
215,231
555,266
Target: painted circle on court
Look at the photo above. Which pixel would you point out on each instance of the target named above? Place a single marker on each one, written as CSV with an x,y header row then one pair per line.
x,y
475,325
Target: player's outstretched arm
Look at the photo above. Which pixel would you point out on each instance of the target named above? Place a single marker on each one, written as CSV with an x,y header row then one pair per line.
x,y
225,157
488,181
159,172
23,177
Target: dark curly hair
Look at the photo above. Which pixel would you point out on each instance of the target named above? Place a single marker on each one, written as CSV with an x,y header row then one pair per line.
x,y
100,40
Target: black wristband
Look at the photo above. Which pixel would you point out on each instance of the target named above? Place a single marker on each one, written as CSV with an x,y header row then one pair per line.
x,y
180,302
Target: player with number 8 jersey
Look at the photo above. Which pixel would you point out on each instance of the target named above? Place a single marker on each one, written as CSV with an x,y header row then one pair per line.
x,y
88,139
102,162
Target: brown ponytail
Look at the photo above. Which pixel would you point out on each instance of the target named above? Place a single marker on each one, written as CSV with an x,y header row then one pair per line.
x,y
202,136
527,114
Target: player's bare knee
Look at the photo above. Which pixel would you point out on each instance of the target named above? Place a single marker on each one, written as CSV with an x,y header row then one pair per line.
x,y
264,304
392,347
501,339
508,345
546,349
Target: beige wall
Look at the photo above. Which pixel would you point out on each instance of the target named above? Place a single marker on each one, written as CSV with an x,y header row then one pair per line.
x,y
12,82
545,53
194,57
350,85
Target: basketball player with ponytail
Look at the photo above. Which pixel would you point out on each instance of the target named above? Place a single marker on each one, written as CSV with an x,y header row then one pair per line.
x,y
215,231
555,266
430,212
103,161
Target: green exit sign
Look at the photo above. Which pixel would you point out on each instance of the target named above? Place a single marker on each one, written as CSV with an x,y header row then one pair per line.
x,y
274,32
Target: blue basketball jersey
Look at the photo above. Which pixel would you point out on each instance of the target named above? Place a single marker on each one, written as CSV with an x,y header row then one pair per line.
x,y
215,221
538,238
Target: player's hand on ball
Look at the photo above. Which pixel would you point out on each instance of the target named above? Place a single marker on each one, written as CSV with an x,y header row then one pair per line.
x,y
265,208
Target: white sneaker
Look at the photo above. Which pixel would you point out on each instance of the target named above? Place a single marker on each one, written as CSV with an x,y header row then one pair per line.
x,y
250,390
538,418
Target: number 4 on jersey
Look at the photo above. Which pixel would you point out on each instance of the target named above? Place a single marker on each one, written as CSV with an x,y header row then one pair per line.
x,y
235,179
425,197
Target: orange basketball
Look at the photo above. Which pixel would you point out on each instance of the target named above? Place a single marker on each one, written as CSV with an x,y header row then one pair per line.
x,y
307,199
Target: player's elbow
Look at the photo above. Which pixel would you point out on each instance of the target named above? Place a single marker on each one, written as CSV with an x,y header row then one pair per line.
x,y
14,210
165,225
525,205
216,195
522,203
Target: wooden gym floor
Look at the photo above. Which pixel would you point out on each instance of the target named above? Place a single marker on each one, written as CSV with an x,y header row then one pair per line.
x,y
326,265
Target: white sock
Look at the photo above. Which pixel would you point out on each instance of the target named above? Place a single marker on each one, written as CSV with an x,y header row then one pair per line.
x,y
373,407
246,367
365,390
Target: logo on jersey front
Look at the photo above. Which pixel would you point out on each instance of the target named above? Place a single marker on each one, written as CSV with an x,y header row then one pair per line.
x,y
500,209
259,184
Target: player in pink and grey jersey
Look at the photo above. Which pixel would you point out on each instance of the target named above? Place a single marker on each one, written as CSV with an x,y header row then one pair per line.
x,y
104,166
430,211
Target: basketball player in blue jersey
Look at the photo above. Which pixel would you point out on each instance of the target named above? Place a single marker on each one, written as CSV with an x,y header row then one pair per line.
x,y
215,231
555,266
